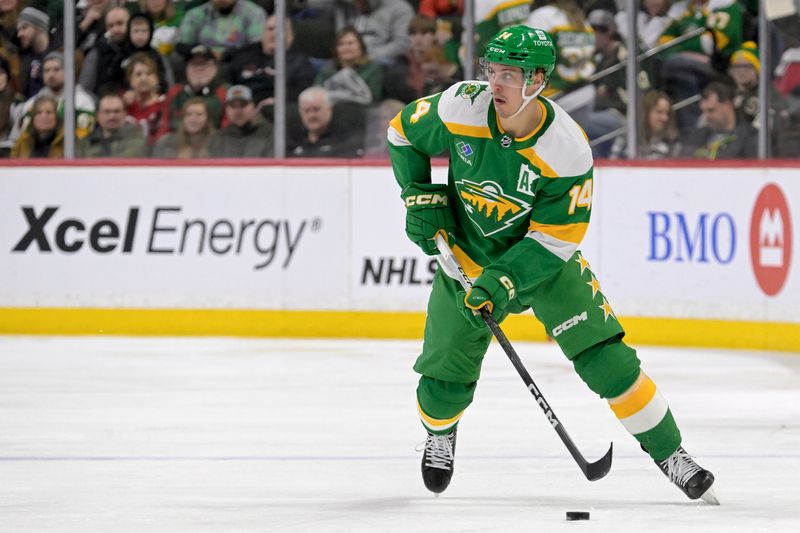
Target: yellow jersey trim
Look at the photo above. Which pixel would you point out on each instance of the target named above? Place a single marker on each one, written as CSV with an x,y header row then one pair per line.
x,y
469,131
564,232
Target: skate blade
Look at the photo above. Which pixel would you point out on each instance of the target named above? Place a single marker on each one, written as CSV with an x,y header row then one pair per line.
x,y
710,497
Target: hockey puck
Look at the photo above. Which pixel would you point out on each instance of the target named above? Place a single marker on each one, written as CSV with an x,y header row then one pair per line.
x,y
577,515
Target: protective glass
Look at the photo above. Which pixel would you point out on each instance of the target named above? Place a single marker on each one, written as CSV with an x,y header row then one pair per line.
x,y
506,76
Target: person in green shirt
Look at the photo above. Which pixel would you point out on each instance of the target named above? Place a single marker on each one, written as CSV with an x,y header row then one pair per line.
x,y
515,207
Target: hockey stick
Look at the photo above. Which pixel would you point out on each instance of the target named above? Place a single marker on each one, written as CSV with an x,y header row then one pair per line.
x,y
592,471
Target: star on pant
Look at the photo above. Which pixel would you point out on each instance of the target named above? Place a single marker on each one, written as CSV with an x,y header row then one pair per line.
x,y
595,285
583,262
607,310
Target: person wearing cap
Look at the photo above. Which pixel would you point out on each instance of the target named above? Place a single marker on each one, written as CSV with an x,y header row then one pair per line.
x,y
201,81
102,70
248,134
743,69
34,43
53,77
223,25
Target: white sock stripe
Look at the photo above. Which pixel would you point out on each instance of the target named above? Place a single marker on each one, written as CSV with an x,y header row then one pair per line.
x,y
648,417
437,428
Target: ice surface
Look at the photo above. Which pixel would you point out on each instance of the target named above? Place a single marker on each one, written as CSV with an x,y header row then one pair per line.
x,y
163,435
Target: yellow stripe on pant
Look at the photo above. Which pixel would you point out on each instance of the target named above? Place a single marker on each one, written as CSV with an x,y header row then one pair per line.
x,y
435,424
641,407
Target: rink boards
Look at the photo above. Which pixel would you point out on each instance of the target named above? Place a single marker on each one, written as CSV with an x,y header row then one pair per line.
x,y
687,255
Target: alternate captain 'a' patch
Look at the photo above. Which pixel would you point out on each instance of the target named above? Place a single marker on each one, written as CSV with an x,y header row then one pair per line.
x,y
470,91
489,207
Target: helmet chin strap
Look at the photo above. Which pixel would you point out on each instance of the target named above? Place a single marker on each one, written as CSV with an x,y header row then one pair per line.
x,y
527,99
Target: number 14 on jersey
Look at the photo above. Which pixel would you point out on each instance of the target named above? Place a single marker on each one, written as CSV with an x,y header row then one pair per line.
x,y
581,196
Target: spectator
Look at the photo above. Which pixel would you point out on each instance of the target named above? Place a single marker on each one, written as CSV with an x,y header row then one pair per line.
x,y
659,138
350,76
144,103
610,51
320,138
223,26
787,72
384,27
437,8
248,134
44,136
9,10
723,136
140,33
744,68
201,81
34,43
113,136
167,17
690,66
53,77
490,17
575,42
102,70
193,138
91,24
254,66
713,48
574,39
423,69
9,99
651,20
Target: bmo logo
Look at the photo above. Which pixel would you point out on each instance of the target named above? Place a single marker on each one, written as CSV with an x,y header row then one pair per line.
x,y
771,239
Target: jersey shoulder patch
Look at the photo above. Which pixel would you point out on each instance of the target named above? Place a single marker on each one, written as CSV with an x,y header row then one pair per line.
x,y
464,108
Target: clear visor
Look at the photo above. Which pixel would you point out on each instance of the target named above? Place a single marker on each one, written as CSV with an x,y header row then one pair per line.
x,y
497,74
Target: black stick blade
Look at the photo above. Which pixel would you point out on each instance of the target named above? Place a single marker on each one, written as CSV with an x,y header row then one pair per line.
x,y
598,469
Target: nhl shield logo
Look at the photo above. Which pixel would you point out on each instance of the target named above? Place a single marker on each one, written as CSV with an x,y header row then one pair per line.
x,y
505,141
489,207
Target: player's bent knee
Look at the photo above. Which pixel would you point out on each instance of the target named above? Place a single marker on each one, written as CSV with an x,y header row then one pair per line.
x,y
609,367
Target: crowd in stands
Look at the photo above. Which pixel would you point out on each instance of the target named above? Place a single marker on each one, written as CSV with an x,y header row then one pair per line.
x,y
195,78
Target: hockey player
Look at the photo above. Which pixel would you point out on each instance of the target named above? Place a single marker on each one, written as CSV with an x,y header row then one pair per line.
x,y
515,207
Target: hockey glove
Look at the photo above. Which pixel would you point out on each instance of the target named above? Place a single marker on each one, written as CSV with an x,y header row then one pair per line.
x,y
427,212
492,289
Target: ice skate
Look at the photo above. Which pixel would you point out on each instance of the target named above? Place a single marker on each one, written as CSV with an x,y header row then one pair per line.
x,y
437,461
688,476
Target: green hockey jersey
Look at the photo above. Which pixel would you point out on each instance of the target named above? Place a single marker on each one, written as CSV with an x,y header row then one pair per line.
x,y
723,17
493,15
520,203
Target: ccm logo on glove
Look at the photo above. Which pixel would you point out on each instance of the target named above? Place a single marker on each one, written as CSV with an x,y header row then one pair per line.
x,y
509,285
426,199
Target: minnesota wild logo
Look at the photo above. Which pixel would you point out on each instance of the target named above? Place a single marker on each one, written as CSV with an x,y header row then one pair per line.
x,y
488,207
470,90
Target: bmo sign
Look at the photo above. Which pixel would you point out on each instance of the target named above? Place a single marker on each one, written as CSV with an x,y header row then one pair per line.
x,y
771,239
